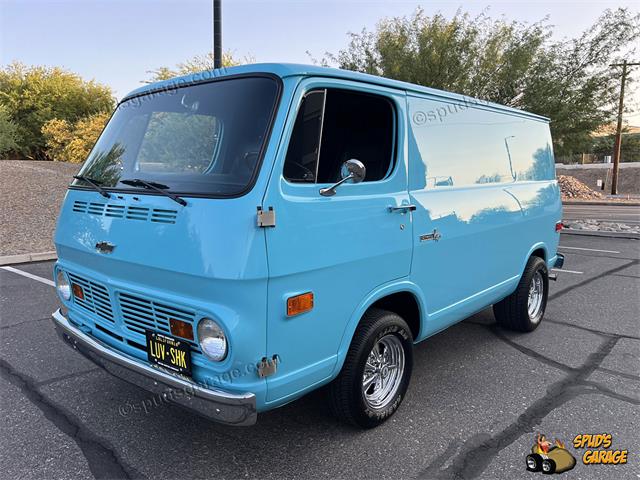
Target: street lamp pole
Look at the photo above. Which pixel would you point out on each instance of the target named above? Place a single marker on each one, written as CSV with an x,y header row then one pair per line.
x,y
217,34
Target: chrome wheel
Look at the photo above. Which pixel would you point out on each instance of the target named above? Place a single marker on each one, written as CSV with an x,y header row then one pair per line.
x,y
383,372
536,295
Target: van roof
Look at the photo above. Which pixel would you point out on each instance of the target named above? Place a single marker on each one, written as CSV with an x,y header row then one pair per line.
x,y
285,70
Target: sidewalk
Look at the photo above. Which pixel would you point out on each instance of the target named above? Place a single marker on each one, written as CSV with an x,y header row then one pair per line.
x,y
632,202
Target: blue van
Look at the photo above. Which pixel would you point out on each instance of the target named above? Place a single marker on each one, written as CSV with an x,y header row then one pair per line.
x,y
240,237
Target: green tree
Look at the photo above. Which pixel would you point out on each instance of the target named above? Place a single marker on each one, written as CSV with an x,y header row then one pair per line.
x,y
34,95
629,151
196,64
8,132
511,63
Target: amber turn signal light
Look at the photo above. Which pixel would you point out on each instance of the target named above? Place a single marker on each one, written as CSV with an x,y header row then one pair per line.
x,y
77,291
299,304
181,329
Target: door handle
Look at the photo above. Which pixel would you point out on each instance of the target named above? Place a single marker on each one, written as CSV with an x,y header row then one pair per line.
x,y
403,208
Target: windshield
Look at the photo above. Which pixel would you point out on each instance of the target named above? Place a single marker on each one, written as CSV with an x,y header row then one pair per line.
x,y
201,139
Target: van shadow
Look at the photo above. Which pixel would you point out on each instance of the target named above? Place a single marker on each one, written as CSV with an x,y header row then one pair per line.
x,y
297,439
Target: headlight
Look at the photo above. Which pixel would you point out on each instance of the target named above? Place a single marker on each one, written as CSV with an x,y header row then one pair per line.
x,y
212,340
63,286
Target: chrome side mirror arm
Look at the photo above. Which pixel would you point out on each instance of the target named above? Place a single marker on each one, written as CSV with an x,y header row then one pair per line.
x,y
352,171
331,191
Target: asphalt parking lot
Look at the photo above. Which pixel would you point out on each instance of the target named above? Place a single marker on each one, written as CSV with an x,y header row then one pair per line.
x,y
477,398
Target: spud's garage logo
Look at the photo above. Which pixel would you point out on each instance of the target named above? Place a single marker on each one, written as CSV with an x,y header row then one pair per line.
x,y
598,450
549,458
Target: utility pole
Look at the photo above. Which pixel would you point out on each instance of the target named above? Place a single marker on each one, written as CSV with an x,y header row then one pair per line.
x,y
618,143
217,34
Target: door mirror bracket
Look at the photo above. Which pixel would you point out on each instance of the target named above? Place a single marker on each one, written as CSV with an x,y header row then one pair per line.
x,y
352,171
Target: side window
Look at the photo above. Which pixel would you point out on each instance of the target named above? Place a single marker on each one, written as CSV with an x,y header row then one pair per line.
x,y
301,164
462,145
336,125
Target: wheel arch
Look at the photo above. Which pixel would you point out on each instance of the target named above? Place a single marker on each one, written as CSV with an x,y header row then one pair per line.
x,y
388,297
537,250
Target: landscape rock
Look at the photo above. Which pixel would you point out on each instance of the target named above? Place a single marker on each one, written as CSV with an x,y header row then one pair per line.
x,y
572,188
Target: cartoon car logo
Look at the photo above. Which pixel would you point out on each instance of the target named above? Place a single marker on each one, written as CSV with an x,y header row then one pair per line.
x,y
549,458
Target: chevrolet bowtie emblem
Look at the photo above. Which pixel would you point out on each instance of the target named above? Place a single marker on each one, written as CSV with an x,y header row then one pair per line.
x,y
105,247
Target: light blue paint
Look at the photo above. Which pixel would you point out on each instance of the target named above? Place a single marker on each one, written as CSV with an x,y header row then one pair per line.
x,y
349,250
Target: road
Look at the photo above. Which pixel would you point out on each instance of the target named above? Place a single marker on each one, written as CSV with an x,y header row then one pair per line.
x,y
628,214
477,398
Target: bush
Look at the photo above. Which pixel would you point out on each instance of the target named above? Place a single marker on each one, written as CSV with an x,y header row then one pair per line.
x,y
33,96
8,132
72,142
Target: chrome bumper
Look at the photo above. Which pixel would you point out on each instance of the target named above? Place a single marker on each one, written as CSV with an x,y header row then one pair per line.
x,y
217,405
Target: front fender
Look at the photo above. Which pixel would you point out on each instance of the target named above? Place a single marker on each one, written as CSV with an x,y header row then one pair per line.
x,y
373,296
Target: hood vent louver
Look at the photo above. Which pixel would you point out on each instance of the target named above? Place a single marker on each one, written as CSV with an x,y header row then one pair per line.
x,y
146,214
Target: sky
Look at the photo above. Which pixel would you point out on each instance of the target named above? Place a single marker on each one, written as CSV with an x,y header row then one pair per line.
x,y
118,42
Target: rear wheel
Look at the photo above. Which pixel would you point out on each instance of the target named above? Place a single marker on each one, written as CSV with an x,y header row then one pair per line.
x,y
523,309
376,372
548,466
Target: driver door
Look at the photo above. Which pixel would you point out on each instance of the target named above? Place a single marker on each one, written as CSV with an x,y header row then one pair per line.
x,y
340,247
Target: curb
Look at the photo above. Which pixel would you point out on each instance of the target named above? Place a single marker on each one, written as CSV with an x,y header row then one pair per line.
x,y
27,257
602,203
600,233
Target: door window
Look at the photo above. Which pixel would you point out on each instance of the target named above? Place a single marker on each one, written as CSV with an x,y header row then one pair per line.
x,y
335,125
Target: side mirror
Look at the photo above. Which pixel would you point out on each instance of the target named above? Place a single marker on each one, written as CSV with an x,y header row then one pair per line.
x,y
352,171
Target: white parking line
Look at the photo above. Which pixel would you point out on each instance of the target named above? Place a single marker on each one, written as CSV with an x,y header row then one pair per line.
x,y
30,275
562,270
588,249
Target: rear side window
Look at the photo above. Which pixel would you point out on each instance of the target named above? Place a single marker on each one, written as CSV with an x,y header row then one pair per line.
x,y
461,145
335,125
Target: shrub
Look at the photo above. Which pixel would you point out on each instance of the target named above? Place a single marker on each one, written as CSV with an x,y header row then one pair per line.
x,y
72,142
8,132
35,95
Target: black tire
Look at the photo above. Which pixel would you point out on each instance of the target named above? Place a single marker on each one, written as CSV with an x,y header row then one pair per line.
x,y
534,462
513,312
548,466
347,398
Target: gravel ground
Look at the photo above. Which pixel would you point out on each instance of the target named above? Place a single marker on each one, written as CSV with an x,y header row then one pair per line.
x,y
31,193
596,225
628,181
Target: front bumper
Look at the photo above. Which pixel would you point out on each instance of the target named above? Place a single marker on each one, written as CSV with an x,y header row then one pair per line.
x,y
216,405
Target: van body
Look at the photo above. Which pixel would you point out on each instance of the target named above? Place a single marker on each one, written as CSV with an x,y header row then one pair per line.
x,y
235,236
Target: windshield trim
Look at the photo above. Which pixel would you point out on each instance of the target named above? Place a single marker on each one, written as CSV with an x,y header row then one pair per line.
x,y
182,84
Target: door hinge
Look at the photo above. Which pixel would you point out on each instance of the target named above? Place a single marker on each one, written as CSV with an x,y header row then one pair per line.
x,y
268,367
266,218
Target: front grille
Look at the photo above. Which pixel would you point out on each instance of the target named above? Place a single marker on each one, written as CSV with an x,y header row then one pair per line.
x,y
140,314
96,298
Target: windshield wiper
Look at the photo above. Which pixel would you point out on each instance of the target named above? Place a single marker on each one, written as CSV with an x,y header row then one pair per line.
x,y
158,187
94,183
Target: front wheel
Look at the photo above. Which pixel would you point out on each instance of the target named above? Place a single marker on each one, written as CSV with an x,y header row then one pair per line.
x,y
376,372
523,309
534,462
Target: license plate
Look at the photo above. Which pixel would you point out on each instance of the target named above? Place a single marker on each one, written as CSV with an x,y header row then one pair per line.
x,y
169,352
